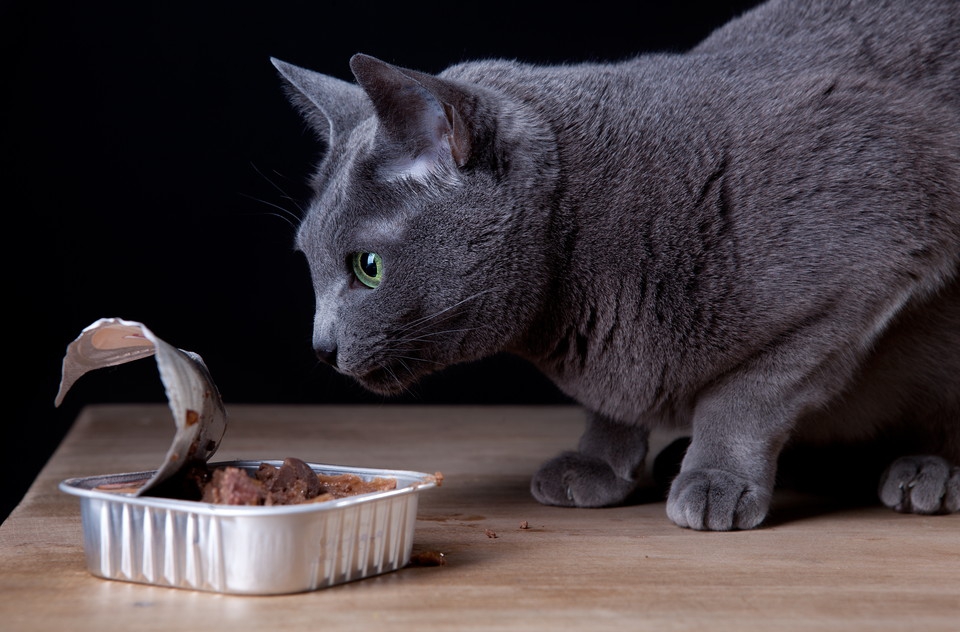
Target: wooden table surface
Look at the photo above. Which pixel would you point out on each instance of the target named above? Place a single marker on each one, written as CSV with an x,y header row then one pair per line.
x,y
814,566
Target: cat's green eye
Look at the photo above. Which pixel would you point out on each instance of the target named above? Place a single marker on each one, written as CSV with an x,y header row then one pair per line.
x,y
368,268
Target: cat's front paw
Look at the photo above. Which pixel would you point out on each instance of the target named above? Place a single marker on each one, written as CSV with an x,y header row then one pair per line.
x,y
716,500
576,480
921,485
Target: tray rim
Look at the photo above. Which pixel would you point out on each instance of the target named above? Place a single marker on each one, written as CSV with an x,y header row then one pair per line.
x,y
81,486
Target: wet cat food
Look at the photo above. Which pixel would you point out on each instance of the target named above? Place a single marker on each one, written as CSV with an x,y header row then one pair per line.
x,y
292,483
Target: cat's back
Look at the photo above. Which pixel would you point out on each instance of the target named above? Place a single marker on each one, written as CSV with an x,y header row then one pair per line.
x,y
913,45
910,47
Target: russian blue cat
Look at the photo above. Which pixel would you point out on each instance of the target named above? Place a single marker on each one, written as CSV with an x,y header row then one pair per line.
x,y
757,239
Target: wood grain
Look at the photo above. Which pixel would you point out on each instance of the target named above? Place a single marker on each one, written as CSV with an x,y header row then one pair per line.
x,y
813,566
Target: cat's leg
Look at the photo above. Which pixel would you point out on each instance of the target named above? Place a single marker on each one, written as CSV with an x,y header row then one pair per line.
x,y
909,388
922,485
604,470
727,476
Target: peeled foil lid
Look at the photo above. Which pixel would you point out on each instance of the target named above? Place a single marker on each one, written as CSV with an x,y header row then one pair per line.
x,y
193,397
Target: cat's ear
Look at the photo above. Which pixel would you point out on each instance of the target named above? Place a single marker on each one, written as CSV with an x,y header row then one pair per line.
x,y
418,111
331,106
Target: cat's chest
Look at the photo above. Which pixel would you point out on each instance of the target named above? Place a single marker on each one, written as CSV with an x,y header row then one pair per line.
x,y
627,394
602,365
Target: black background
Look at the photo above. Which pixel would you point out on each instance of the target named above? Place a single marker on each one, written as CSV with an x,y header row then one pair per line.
x,y
152,170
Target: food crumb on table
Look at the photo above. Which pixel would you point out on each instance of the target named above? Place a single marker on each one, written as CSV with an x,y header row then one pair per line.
x,y
427,558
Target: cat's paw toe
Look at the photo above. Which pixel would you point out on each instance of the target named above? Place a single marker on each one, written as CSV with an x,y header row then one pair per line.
x,y
716,500
575,480
922,485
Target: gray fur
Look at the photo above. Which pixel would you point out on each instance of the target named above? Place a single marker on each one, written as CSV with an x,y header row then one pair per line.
x,y
758,240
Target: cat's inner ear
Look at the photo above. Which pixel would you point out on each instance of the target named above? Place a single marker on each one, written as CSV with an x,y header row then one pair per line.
x,y
429,129
330,106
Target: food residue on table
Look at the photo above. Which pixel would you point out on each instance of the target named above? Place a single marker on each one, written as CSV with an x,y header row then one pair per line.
x,y
427,558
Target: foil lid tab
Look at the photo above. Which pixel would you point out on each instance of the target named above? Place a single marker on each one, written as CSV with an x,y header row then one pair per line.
x,y
194,400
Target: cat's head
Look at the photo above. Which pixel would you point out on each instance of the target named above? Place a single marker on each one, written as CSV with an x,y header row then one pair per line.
x,y
428,233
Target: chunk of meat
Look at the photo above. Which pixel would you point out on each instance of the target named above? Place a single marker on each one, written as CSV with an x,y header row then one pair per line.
x,y
233,486
294,482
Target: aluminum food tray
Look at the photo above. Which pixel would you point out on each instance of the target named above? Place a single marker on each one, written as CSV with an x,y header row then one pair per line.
x,y
248,550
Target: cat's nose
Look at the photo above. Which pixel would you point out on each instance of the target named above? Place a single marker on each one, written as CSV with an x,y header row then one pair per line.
x,y
328,354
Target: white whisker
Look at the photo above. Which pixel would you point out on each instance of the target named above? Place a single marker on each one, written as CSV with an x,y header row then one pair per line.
x,y
403,357
285,195
423,319
286,215
399,382
428,334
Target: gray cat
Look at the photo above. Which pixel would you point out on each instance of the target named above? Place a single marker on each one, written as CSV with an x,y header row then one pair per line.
x,y
758,240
